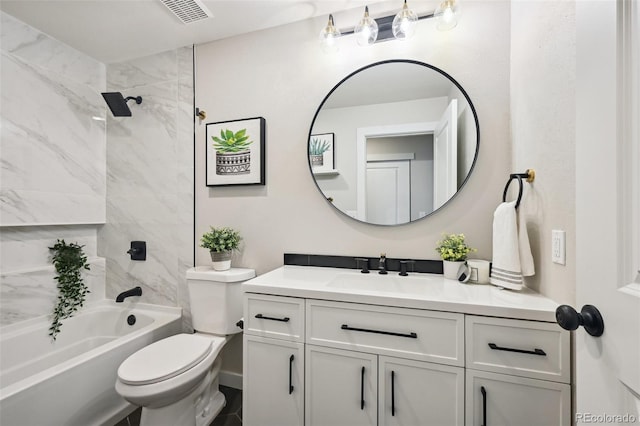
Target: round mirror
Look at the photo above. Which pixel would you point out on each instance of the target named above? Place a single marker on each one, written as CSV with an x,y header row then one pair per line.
x,y
393,142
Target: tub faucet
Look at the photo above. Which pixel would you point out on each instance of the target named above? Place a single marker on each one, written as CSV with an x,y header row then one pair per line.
x,y
382,264
136,291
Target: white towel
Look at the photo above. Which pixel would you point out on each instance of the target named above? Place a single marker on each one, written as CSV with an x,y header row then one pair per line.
x,y
512,259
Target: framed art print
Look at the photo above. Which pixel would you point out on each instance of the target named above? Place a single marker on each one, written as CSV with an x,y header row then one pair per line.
x,y
321,152
235,153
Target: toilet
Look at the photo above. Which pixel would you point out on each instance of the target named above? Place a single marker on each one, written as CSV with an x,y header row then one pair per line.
x,y
175,380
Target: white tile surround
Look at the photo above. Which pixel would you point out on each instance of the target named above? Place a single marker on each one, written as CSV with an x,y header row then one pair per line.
x,y
100,184
150,178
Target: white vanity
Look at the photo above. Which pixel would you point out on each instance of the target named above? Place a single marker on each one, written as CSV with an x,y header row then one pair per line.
x,y
334,347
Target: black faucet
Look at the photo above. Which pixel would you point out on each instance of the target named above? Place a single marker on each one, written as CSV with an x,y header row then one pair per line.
x,y
382,264
136,291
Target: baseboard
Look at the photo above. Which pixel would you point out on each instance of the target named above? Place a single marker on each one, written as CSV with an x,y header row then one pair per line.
x,y
230,379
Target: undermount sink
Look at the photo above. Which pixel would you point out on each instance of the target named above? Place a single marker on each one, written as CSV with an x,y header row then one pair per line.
x,y
390,283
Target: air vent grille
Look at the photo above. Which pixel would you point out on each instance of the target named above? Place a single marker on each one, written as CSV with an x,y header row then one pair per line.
x,y
188,11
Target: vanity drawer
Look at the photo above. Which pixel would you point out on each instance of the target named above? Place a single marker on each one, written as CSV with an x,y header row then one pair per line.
x,y
277,317
408,333
524,348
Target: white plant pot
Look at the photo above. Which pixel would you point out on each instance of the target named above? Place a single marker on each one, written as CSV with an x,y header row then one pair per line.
x,y
450,268
221,260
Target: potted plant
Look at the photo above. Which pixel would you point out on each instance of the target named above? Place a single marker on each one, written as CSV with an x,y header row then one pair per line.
x,y
221,242
69,261
317,148
233,153
453,250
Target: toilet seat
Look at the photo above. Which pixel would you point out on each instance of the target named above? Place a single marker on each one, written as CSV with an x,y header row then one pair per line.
x,y
166,358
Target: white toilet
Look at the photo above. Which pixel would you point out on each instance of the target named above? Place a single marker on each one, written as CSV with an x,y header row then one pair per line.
x,y
175,380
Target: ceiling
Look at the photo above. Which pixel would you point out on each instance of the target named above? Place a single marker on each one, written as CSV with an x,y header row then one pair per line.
x,y
117,30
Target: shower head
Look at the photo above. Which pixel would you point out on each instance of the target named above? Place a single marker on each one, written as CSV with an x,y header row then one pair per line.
x,y
118,104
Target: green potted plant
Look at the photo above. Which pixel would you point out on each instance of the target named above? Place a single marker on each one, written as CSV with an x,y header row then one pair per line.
x,y
233,153
317,148
221,242
453,250
69,261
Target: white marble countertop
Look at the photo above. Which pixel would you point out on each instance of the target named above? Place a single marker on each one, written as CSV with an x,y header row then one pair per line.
x,y
420,291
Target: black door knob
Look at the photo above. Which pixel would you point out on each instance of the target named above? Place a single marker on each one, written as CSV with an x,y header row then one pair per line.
x,y
589,317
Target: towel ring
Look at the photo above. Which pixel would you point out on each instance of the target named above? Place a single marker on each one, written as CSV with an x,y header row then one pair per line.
x,y
520,189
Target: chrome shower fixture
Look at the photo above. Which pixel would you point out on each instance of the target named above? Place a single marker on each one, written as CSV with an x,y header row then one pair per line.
x,y
118,103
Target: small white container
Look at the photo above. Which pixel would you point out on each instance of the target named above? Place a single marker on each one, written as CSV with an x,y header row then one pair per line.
x,y
478,271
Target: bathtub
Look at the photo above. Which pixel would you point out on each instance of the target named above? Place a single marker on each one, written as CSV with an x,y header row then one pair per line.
x,y
71,381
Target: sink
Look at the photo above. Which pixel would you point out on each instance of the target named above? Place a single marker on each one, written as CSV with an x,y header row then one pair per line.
x,y
391,283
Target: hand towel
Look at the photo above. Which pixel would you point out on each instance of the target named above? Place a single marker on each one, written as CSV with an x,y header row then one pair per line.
x,y
512,257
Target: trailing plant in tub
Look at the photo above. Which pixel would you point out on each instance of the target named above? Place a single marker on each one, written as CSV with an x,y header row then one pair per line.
x,y
221,242
69,261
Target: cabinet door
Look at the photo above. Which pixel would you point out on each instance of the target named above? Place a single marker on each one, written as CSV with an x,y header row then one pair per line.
x,y
501,400
341,387
415,393
273,387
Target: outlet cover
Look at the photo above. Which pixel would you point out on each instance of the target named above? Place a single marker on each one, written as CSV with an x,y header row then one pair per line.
x,y
558,247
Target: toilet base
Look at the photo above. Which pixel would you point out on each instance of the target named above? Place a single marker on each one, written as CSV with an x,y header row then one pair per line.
x,y
199,408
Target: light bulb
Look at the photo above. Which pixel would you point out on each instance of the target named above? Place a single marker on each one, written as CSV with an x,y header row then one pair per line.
x,y
329,37
404,24
367,29
447,15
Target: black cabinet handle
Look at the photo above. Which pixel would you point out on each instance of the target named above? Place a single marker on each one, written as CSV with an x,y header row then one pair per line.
x,y
285,319
291,374
393,393
389,333
483,391
536,351
362,389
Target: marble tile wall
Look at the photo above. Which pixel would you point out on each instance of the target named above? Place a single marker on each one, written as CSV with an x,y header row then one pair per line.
x,y
53,151
52,165
150,179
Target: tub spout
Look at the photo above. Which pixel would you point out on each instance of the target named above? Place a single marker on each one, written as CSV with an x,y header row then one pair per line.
x,y
136,291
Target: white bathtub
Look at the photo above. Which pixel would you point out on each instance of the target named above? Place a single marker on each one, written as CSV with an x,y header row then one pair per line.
x,y
71,381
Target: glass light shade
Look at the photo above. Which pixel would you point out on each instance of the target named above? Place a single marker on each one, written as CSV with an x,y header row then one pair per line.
x,y
367,30
404,24
329,37
447,15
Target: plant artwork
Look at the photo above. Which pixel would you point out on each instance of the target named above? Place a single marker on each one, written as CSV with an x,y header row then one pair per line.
x,y
321,154
232,157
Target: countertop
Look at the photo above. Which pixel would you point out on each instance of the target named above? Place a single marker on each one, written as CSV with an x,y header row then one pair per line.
x,y
418,291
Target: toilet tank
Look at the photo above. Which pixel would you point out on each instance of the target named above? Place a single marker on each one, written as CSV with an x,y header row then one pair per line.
x,y
216,298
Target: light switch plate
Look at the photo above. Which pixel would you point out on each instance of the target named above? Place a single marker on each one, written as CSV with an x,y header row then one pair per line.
x,y
558,247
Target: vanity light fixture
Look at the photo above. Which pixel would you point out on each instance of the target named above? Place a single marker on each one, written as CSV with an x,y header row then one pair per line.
x,y
404,24
367,29
447,15
401,26
329,36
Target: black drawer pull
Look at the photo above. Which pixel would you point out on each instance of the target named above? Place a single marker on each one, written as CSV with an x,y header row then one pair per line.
x,y
362,389
393,393
536,351
291,374
285,319
484,405
389,333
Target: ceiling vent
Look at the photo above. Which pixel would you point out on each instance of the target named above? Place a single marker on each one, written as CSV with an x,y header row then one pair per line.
x,y
188,11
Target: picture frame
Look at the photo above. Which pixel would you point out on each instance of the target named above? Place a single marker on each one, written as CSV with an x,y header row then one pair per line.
x,y
235,152
322,152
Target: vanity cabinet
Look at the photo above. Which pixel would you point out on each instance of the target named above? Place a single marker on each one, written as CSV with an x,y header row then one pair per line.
x,y
517,371
354,364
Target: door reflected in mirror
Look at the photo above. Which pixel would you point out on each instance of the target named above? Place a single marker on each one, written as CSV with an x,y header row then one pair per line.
x,y
405,139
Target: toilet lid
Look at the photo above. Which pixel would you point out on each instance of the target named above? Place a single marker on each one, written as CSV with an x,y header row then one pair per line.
x,y
164,359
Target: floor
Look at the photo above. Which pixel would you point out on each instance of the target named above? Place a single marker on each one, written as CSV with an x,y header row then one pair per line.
x,y
231,414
